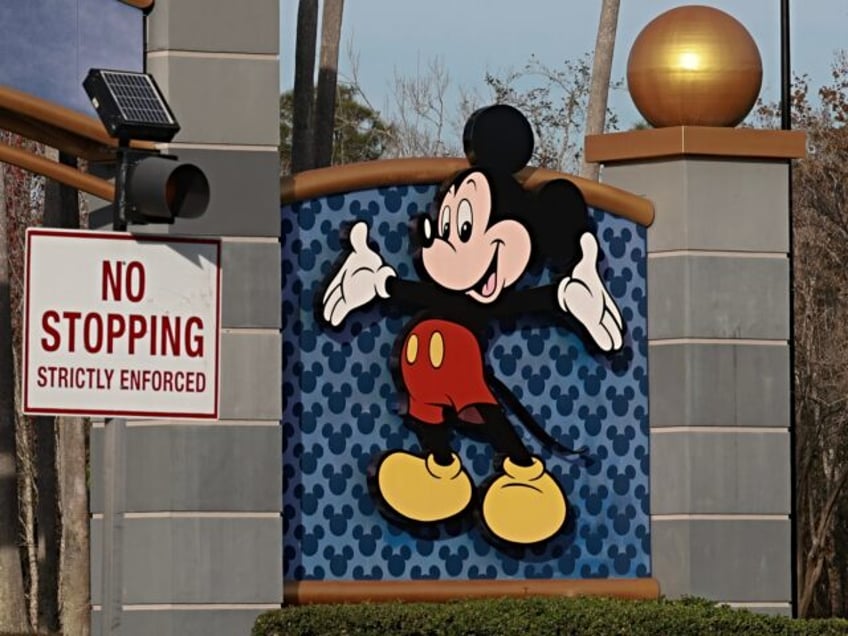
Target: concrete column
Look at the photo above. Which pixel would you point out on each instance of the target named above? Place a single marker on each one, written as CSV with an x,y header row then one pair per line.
x,y
719,357
203,530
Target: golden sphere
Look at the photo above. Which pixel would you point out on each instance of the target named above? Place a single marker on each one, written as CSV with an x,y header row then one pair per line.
x,y
694,66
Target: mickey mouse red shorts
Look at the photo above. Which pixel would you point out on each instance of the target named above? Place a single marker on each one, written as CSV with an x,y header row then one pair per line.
x,y
442,367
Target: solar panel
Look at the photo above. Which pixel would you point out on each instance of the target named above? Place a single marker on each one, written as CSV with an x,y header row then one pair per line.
x,y
137,98
130,105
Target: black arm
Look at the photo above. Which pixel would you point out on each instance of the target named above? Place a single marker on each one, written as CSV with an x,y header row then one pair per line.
x,y
418,295
527,301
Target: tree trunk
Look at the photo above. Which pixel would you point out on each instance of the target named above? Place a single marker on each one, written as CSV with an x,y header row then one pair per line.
x,y
328,71
834,580
12,604
74,583
303,151
47,526
21,198
25,444
815,555
596,111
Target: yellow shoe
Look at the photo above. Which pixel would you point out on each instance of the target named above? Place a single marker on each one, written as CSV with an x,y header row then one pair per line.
x,y
525,505
420,489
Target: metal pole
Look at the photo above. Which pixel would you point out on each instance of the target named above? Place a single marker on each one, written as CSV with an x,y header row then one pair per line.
x,y
114,473
114,454
119,206
785,69
786,124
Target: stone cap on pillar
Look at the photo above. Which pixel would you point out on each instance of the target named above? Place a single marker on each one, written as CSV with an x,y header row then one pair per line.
x,y
695,141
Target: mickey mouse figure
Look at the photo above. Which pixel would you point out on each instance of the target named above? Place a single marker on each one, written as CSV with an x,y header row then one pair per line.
x,y
487,231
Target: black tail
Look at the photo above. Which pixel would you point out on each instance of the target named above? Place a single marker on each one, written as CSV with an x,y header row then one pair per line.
x,y
515,405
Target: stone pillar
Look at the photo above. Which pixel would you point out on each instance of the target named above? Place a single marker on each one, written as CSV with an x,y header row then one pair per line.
x,y
719,356
203,532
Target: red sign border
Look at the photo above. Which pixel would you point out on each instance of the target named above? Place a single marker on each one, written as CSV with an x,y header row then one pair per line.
x,y
120,236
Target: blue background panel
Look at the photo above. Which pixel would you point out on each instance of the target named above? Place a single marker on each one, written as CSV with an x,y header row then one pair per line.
x,y
341,409
48,46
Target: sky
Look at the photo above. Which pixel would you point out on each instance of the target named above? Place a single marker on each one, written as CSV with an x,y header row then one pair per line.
x,y
473,37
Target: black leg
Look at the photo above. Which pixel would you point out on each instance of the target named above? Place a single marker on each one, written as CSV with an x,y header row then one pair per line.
x,y
501,435
434,438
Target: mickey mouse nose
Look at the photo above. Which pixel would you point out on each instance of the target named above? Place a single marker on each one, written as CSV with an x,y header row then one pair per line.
x,y
426,232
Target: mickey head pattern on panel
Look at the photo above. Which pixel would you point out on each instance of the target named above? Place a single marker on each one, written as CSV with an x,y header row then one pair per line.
x,y
342,407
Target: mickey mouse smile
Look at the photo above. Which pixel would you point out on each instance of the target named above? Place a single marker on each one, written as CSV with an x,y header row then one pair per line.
x,y
487,286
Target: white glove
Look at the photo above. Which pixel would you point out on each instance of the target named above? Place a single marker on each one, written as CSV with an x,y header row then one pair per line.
x,y
583,296
362,278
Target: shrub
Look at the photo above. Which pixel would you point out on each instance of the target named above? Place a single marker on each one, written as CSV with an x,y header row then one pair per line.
x,y
527,617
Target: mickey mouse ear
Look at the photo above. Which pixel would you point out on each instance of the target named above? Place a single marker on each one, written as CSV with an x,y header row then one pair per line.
x,y
498,137
558,220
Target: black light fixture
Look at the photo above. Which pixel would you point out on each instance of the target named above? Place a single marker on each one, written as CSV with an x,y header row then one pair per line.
x,y
150,187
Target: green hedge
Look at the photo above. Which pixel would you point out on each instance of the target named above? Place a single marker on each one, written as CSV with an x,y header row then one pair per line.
x,y
528,617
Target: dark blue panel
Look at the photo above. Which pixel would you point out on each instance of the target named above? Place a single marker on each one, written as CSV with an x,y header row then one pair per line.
x,y
48,45
340,408
111,35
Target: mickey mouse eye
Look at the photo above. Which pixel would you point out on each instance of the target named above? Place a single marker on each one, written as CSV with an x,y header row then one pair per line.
x,y
444,223
425,230
464,220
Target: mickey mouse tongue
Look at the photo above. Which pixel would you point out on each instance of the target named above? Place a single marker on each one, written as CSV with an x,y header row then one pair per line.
x,y
489,286
488,283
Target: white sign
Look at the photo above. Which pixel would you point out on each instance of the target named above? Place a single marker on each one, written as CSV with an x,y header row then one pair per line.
x,y
121,325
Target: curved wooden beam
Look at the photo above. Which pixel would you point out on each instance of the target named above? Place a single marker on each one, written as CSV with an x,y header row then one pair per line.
x,y
57,126
306,592
371,174
65,141
598,195
57,171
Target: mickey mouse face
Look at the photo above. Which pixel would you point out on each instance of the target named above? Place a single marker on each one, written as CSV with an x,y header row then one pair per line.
x,y
487,229
466,251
